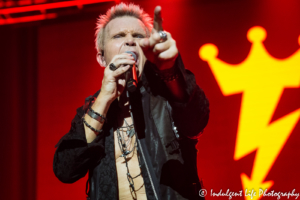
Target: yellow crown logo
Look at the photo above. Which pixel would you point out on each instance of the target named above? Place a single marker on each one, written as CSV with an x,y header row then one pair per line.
x,y
261,79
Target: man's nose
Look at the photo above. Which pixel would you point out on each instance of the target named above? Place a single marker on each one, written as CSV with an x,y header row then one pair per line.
x,y
130,42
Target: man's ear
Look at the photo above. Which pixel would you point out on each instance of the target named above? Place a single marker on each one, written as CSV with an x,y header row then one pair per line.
x,y
100,59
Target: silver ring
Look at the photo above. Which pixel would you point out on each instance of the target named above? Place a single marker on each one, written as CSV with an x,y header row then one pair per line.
x,y
112,67
163,36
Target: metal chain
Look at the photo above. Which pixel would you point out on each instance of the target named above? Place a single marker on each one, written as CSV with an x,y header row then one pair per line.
x,y
123,144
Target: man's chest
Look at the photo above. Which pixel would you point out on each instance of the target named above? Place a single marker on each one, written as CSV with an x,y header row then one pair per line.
x,y
130,165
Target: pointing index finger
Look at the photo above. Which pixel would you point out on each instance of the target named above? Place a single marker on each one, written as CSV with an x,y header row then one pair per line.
x,y
157,22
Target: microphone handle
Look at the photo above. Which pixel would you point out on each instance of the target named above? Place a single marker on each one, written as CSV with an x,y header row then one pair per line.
x,y
131,79
134,75
128,75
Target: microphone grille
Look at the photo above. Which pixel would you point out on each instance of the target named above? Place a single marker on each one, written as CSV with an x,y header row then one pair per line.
x,y
133,54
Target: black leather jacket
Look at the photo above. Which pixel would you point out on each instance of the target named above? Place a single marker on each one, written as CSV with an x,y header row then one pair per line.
x,y
165,143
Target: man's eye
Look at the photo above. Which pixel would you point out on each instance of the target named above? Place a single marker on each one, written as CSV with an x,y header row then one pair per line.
x,y
139,36
118,36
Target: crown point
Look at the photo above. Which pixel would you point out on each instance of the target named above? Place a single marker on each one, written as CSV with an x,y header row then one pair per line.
x,y
256,34
208,52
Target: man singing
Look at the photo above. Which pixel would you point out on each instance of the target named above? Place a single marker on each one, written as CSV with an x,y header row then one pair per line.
x,y
136,136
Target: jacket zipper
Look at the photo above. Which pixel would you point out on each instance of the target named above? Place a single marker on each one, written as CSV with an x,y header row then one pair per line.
x,y
174,128
127,94
148,170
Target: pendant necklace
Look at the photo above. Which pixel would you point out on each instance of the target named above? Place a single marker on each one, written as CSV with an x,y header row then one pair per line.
x,y
125,149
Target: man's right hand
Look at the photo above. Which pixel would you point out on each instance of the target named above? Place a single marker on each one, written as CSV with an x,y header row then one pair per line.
x,y
113,82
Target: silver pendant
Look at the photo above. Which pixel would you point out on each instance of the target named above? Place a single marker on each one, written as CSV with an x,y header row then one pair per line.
x,y
130,133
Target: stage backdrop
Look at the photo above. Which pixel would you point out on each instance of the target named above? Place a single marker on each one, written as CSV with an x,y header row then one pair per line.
x,y
245,56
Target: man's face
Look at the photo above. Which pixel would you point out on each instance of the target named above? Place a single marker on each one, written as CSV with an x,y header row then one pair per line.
x,y
122,34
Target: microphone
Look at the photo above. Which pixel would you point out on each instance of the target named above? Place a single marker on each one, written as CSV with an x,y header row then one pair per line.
x,y
132,79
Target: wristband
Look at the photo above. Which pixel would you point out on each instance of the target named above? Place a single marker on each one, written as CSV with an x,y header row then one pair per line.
x,y
90,127
100,118
168,74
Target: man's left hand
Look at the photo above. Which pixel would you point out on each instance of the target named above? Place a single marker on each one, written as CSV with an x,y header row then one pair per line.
x,y
162,54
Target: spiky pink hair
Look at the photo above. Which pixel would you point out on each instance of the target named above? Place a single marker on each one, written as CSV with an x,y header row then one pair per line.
x,y
120,10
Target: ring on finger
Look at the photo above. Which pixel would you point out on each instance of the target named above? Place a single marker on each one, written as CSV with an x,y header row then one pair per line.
x,y
112,67
163,36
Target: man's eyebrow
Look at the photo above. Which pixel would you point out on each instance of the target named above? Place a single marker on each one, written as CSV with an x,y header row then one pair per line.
x,y
118,32
142,32
135,32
